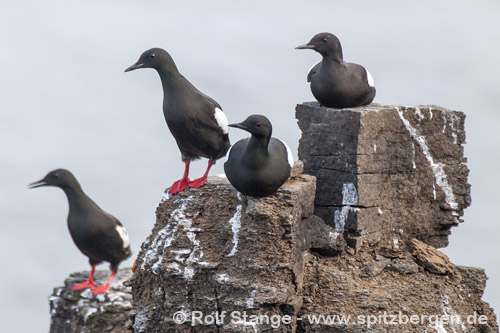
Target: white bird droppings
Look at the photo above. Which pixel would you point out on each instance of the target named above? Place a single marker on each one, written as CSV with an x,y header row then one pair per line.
x,y
413,156
454,119
333,236
395,243
349,197
418,112
184,258
165,196
235,222
437,168
222,278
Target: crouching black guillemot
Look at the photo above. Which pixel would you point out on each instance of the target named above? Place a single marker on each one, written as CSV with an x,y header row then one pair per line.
x,y
259,165
335,83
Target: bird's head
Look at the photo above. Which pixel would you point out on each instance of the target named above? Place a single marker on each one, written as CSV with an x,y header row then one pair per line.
x,y
258,125
324,43
61,178
155,58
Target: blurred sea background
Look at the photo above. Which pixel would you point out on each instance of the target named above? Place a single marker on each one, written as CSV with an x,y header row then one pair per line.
x,y
66,102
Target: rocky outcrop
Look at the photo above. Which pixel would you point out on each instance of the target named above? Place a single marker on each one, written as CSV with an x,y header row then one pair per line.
x,y
214,254
367,292
353,250
386,174
216,250
82,311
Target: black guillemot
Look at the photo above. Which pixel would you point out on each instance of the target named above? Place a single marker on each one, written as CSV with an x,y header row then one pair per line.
x,y
259,165
335,83
97,234
196,121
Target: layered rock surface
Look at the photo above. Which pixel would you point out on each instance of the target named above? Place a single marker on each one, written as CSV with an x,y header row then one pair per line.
x,y
386,173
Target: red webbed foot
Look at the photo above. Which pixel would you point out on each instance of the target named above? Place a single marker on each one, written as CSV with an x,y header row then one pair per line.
x,y
100,289
87,284
84,285
104,288
198,182
179,186
182,183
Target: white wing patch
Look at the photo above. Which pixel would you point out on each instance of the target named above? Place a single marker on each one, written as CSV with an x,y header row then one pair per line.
x,y
289,153
309,74
228,152
369,78
123,235
221,119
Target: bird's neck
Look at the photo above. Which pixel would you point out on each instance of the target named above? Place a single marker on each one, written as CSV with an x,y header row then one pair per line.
x,y
256,153
77,199
331,66
333,58
171,79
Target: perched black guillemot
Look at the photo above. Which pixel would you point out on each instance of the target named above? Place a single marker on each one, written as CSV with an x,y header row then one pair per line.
x,y
335,83
259,165
196,121
97,234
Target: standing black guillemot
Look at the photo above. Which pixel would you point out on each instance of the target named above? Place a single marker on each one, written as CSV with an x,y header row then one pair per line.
x,y
97,234
196,121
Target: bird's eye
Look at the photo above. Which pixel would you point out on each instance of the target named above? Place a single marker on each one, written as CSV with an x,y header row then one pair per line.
x,y
55,175
324,40
152,56
257,125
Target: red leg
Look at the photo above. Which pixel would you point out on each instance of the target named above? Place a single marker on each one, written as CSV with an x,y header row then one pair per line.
x,y
201,181
87,284
103,288
182,183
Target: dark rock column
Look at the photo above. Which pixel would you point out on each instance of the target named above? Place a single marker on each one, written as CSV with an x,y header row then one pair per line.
x,y
386,174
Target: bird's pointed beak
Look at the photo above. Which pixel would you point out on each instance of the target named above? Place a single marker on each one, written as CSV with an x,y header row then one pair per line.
x,y
135,66
39,183
238,125
305,46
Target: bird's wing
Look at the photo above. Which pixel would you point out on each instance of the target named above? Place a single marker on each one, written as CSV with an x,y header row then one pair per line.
x,y
121,231
219,116
360,72
280,148
217,105
314,69
221,119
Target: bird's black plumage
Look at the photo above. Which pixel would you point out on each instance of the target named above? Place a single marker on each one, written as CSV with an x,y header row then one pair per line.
x,y
97,234
259,165
335,83
195,120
